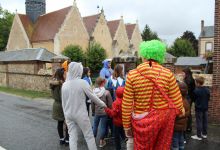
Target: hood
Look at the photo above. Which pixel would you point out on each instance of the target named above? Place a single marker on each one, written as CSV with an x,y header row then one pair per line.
x,y
75,71
99,91
105,63
119,92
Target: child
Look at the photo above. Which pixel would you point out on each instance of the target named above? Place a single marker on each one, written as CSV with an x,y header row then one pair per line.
x,y
115,113
99,112
202,96
181,121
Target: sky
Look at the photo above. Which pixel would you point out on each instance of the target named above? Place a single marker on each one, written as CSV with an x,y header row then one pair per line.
x,y
169,18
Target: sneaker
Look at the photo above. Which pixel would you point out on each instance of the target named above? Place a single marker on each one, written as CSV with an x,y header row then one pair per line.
x,y
102,144
195,137
204,136
67,142
184,141
62,141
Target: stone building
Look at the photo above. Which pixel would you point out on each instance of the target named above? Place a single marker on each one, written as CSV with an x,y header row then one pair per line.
x,y
119,36
98,31
134,37
56,30
206,39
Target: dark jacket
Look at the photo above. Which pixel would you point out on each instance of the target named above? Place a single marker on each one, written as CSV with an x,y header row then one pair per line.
x,y
116,112
190,82
57,112
181,122
202,96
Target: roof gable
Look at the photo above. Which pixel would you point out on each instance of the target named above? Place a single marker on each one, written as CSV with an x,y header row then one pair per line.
x,y
46,26
33,54
208,32
130,29
113,26
90,22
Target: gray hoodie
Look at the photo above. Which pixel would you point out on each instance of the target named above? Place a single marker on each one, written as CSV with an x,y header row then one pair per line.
x,y
74,92
105,96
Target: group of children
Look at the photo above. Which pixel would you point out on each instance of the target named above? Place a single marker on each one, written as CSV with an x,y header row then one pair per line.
x,y
111,93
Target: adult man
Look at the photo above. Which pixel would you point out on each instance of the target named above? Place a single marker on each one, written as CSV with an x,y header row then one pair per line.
x,y
74,92
145,106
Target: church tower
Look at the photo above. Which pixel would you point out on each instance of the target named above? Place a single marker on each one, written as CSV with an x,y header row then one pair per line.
x,y
35,8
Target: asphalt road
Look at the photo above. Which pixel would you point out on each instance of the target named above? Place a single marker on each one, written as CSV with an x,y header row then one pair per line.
x,y
27,125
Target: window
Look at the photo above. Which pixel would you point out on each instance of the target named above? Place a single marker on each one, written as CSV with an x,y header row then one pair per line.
x,y
208,46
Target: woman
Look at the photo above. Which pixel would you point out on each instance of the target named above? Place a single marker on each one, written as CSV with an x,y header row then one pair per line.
x,y
148,113
190,82
57,112
74,90
86,77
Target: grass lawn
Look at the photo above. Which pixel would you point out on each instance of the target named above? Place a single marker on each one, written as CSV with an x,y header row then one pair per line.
x,y
25,93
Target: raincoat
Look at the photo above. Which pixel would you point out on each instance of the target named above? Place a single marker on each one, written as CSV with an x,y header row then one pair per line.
x,y
105,72
74,92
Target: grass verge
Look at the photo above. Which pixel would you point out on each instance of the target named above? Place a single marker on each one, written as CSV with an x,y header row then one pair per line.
x,y
25,93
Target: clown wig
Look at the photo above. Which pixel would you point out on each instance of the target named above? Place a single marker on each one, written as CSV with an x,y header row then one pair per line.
x,y
154,50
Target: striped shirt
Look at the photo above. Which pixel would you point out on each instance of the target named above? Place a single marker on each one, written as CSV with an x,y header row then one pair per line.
x,y
138,91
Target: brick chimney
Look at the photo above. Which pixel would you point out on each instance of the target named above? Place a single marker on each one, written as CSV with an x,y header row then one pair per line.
x,y
202,27
215,101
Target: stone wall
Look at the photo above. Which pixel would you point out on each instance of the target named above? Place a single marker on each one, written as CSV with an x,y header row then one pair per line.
x,y
202,45
136,38
49,45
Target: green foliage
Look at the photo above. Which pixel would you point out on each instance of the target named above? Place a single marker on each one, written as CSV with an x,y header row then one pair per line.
x,y
6,19
148,35
188,35
95,55
182,47
75,53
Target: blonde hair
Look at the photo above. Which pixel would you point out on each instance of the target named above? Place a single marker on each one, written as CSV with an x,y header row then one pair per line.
x,y
200,80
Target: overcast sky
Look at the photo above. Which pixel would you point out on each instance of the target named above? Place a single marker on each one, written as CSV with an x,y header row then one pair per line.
x,y
169,18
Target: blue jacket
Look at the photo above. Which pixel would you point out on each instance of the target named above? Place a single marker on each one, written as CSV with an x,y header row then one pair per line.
x,y
112,88
105,72
202,96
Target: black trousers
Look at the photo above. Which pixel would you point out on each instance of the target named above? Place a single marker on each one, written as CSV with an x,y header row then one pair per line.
x,y
60,125
119,136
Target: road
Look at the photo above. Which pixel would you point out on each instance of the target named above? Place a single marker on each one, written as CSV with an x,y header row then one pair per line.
x,y
27,125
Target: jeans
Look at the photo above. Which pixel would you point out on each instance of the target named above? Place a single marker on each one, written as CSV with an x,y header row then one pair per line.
x,y
119,134
178,141
97,119
201,122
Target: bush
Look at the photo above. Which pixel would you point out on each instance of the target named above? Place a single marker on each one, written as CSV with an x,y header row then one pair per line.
x,y
75,53
95,55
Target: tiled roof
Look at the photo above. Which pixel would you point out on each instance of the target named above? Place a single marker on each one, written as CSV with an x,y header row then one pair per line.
x,y
27,24
190,61
46,26
208,32
113,26
32,54
130,30
90,22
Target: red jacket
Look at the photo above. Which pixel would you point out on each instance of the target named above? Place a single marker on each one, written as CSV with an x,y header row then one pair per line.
x,y
116,112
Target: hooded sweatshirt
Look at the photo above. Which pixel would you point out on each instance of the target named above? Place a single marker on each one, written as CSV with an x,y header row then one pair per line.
x,y
105,72
115,112
74,92
105,96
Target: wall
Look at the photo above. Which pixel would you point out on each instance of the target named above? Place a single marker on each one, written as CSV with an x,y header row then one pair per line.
x,y
49,45
136,38
102,35
202,45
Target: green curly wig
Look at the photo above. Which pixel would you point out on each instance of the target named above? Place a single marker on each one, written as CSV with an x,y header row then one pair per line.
x,y
153,49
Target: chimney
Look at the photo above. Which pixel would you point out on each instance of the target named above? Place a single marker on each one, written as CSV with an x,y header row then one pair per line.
x,y
202,27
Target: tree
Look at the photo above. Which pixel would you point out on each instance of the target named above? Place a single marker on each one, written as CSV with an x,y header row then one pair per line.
x,y
148,35
95,55
6,19
188,35
74,52
181,47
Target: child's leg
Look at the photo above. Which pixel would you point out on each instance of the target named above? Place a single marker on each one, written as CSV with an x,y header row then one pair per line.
x,y
96,124
181,141
104,120
175,141
60,129
199,123
117,138
205,122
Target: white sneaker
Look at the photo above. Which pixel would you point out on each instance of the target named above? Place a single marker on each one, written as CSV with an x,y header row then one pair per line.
x,y
184,141
195,137
204,136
